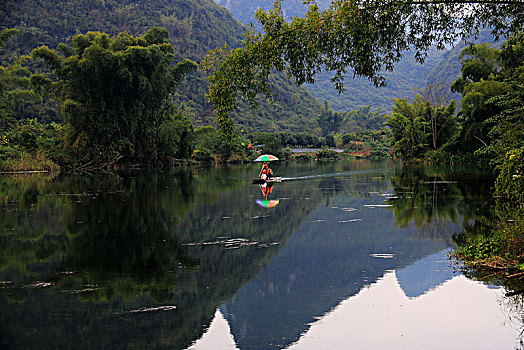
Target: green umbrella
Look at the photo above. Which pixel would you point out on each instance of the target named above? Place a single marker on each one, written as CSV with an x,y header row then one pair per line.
x,y
266,158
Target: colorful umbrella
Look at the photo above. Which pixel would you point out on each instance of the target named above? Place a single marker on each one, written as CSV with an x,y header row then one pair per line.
x,y
266,158
267,203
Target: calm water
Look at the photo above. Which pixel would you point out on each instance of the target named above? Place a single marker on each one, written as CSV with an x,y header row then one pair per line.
x,y
345,255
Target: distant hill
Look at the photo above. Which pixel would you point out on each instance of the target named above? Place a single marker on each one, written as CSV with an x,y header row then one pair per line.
x,y
195,27
441,67
407,77
244,10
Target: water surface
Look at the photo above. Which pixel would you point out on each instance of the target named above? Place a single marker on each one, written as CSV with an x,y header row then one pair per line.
x,y
339,255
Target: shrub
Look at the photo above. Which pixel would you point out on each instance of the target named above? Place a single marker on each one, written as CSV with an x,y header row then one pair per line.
x,y
378,153
303,157
326,153
510,181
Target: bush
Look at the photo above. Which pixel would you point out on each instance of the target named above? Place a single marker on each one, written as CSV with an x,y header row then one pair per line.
x,y
175,138
510,181
303,157
30,145
203,155
237,158
378,153
30,162
326,153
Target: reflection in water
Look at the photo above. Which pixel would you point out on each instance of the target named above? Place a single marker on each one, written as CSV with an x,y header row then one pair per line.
x,y
217,336
156,260
426,274
382,317
322,264
432,197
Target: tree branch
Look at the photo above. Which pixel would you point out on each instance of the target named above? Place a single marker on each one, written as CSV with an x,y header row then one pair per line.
x,y
480,2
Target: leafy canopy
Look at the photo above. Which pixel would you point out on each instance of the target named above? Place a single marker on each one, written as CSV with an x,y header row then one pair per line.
x,y
492,99
420,126
14,84
116,93
365,36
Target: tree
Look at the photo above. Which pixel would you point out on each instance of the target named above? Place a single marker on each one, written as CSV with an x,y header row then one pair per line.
x,y
442,121
492,99
408,127
365,36
328,120
479,62
14,84
365,118
115,92
420,126
507,132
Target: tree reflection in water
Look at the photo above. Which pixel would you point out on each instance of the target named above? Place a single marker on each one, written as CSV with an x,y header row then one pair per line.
x,y
433,197
100,261
136,259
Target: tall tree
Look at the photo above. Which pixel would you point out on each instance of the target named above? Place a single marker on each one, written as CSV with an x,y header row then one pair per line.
x,y
328,120
115,92
14,83
408,127
365,36
442,123
491,87
421,126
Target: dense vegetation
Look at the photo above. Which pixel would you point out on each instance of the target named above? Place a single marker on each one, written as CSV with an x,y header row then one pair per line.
x,y
366,38
116,96
489,123
194,26
492,131
369,39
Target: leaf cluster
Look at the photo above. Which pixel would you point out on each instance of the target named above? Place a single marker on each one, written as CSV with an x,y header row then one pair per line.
x,y
115,92
411,126
367,37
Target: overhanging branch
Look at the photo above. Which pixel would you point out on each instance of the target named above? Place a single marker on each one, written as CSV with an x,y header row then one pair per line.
x,y
480,2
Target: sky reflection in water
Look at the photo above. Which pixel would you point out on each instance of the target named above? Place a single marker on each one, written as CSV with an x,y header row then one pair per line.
x,y
353,256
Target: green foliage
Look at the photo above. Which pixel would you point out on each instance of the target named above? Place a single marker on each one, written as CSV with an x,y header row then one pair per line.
x,y
476,113
493,114
482,248
176,137
115,94
302,139
29,145
329,121
422,125
327,154
14,85
368,38
492,100
497,249
408,127
194,27
364,118
510,181
479,62
212,145
379,154
507,130
271,144
374,141
303,157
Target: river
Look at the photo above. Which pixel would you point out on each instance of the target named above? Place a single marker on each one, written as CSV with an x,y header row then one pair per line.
x,y
340,255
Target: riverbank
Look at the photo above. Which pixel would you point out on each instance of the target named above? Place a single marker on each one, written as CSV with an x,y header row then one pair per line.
x,y
500,251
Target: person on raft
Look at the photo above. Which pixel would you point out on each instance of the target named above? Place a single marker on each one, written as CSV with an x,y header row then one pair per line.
x,y
265,172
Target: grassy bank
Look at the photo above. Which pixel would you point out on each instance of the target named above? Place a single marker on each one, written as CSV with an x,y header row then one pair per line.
x,y
498,249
